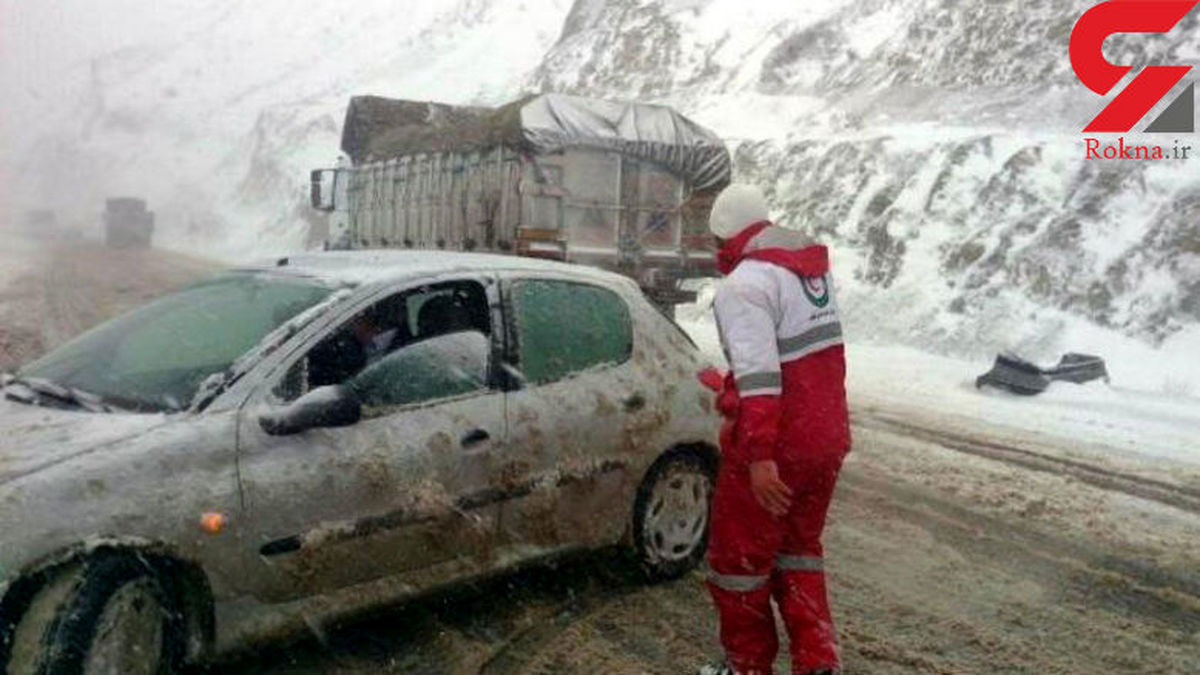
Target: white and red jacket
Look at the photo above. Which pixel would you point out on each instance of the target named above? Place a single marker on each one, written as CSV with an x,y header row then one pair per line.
x,y
785,395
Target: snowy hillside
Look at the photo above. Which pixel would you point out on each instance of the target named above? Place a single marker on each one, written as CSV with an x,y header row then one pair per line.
x,y
934,144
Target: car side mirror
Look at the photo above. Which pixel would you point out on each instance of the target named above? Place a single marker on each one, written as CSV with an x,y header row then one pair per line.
x,y
323,407
323,182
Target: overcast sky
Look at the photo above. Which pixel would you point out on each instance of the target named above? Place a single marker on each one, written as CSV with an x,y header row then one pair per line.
x,y
46,46
40,39
102,95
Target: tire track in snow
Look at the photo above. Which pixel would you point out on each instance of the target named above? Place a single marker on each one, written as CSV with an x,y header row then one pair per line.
x,y
1180,497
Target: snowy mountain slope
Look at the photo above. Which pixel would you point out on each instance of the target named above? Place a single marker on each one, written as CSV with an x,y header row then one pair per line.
x,y
994,226
215,114
975,61
936,145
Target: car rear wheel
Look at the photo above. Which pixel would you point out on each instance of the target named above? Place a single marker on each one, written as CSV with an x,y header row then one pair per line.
x,y
110,614
670,516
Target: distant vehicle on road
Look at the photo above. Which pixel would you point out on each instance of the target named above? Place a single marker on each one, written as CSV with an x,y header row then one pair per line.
x,y
127,223
330,432
622,186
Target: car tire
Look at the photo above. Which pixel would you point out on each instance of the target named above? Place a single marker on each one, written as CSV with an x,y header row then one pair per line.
x,y
109,614
671,515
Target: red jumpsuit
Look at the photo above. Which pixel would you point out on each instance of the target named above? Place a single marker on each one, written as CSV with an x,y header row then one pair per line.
x,y
785,400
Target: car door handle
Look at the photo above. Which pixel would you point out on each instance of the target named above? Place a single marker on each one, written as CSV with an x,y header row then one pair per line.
x,y
635,403
475,438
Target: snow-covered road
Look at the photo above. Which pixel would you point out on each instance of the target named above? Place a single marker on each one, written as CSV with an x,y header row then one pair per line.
x,y
20,339
51,291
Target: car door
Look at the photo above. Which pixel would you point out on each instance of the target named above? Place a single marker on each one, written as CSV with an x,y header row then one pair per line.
x,y
571,458
398,491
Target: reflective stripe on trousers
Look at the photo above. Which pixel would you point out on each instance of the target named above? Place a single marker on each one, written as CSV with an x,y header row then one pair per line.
x,y
737,583
746,583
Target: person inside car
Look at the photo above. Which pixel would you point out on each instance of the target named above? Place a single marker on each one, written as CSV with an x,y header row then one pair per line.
x,y
374,340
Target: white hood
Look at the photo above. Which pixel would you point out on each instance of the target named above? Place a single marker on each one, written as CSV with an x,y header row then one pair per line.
x,y
33,438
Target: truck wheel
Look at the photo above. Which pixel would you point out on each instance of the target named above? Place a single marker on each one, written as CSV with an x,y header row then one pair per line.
x,y
110,614
670,516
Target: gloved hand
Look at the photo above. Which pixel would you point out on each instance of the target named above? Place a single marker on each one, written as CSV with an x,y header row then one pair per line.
x,y
712,378
769,490
723,384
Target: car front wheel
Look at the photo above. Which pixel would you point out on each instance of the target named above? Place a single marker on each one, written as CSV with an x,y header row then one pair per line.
x,y
670,516
111,614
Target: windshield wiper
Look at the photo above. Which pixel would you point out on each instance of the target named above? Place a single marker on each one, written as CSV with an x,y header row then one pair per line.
x,y
68,395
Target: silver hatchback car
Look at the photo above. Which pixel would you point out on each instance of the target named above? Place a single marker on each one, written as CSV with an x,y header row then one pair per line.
x,y
287,443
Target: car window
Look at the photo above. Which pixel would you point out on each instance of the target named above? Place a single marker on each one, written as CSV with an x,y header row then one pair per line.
x,y
550,348
439,367
388,326
155,358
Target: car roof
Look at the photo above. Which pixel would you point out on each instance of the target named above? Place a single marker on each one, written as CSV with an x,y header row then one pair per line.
x,y
384,266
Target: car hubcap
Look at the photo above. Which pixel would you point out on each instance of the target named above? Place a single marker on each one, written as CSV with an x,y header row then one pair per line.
x,y
678,514
129,634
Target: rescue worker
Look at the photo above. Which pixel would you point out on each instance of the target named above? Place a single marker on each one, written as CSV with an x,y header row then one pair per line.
x,y
783,442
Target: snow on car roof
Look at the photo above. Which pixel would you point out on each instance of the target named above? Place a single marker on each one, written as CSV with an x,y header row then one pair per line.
x,y
378,266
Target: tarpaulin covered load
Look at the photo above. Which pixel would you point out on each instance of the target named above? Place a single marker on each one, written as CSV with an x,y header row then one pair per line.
x,y
379,128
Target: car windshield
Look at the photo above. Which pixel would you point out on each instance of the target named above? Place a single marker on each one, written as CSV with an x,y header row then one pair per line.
x,y
154,358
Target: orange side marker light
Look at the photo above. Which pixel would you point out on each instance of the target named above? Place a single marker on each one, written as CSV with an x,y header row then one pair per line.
x,y
212,522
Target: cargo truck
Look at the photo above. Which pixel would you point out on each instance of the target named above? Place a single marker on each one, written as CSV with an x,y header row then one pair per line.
x,y
622,186
127,223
